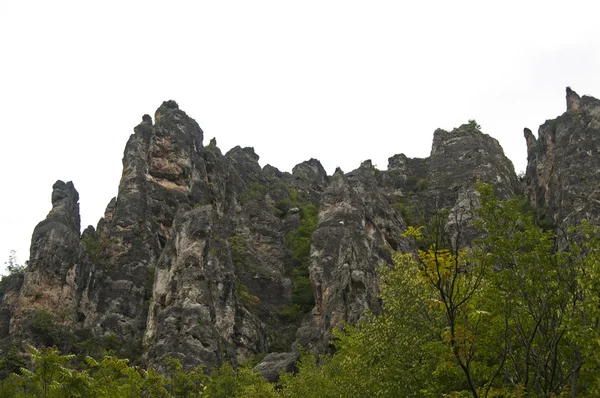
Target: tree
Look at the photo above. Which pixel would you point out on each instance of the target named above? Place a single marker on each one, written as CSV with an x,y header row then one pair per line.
x,y
225,381
509,316
51,376
393,354
180,383
114,377
536,292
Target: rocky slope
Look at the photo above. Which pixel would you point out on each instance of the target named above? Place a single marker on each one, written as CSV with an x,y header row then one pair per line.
x,y
208,257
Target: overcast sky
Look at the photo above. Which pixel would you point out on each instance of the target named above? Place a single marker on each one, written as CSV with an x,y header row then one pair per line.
x,y
339,81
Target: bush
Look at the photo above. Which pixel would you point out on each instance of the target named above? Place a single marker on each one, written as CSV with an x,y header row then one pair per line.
x,y
283,206
256,192
246,298
237,245
407,211
422,184
473,123
94,246
299,243
44,327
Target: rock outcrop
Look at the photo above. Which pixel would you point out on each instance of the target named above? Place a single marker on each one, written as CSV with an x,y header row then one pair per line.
x,y
357,229
209,257
446,181
58,270
563,164
53,273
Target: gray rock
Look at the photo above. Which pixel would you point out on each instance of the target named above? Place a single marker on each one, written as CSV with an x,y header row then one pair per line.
x,y
274,363
563,165
356,229
193,258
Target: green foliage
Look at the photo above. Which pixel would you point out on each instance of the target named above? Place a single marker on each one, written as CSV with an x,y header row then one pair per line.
x,y
411,183
407,211
302,299
282,206
276,211
473,123
298,241
415,184
91,245
376,171
510,317
386,355
237,245
94,246
422,184
11,361
180,383
311,380
51,374
225,381
246,298
45,327
256,191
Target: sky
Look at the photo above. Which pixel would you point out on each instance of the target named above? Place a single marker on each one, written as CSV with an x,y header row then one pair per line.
x,y
340,81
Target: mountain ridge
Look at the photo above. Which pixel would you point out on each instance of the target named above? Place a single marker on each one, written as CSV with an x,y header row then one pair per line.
x,y
209,257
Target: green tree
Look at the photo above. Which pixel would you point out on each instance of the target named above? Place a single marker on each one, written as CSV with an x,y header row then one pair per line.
x,y
113,377
225,381
52,377
393,354
180,383
510,316
536,294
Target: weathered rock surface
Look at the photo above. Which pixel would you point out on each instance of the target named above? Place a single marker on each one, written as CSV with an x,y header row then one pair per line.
x,y
163,172
208,257
446,181
356,229
563,164
58,270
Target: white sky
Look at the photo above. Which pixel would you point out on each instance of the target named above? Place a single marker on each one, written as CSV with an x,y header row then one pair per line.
x,y
340,81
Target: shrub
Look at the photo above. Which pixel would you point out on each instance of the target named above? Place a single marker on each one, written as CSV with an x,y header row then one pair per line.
x,y
422,184
94,246
44,327
256,192
299,243
237,245
473,123
246,298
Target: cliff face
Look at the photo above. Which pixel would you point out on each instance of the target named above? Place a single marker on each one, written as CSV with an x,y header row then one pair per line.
x,y
57,273
445,182
563,164
209,257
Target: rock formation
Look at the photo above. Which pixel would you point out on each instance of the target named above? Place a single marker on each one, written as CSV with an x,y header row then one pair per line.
x,y
563,164
210,257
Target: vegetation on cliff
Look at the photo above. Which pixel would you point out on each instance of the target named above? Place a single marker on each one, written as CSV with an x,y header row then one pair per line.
x,y
511,316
